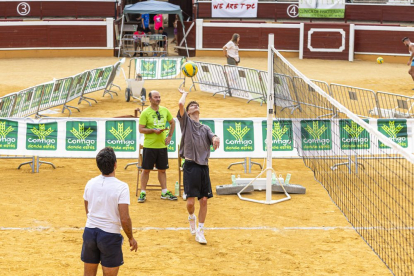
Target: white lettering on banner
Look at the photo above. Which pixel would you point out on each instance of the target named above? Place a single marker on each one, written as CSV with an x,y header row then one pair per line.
x,y
321,141
398,139
234,8
355,140
75,141
278,142
239,142
118,142
42,141
8,140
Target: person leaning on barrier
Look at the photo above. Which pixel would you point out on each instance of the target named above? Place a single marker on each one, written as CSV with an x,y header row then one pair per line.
x,y
106,204
231,50
153,123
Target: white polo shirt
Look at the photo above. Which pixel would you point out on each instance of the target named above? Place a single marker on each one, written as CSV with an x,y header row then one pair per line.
x,y
232,50
103,195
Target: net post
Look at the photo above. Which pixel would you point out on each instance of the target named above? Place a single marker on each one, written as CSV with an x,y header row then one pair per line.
x,y
269,119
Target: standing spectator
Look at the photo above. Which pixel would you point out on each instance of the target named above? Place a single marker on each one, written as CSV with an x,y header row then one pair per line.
x,y
106,204
231,50
139,20
175,40
145,21
158,23
407,42
152,123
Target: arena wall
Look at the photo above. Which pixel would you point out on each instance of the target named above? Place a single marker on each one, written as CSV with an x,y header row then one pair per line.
x,y
57,38
341,41
42,9
353,12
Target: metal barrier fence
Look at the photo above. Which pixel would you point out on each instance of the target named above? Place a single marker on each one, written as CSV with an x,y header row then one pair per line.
x,y
211,78
393,106
358,100
285,93
7,104
98,80
245,83
150,45
33,100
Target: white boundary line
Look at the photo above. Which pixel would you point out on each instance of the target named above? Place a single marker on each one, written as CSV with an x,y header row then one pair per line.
x,y
265,228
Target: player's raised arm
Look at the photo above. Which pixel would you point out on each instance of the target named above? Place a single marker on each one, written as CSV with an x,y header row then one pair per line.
x,y
181,102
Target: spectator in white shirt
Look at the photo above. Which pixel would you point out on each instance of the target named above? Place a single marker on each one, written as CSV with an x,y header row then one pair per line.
x,y
231,50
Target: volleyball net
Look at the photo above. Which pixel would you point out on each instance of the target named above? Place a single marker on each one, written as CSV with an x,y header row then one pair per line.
x,y
365,165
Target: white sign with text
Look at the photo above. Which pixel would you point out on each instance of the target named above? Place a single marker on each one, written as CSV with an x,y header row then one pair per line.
x,y
234,8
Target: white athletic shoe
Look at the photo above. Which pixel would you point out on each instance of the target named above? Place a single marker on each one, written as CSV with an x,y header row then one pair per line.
x,y
200,237
192,225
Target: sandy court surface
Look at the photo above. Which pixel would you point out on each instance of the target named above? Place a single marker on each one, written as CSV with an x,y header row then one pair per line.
x,y
42,214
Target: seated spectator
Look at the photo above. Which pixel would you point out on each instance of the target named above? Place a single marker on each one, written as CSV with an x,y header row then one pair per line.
x,y
150,42
164,42
137,36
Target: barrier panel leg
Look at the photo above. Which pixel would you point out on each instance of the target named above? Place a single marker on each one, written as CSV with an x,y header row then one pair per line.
x,y
83,98
131,164
30,163
251,163
68,108
39,163
244,163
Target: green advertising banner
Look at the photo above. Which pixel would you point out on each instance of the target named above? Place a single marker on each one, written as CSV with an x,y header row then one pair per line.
x,y
121,135
322,8
396,130
210,124
282,135
353,136
316,134
148,68
8,134
238,135
173,144
81,136
168,68
41,136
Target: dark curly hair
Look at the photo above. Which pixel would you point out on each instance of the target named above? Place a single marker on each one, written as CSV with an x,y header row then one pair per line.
x,y
106,160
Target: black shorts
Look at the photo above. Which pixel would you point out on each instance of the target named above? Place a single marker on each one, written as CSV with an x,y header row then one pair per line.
x,y
157,157
196,180
102,247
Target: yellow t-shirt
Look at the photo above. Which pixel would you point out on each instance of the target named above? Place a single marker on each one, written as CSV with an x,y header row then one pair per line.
x,y
149,119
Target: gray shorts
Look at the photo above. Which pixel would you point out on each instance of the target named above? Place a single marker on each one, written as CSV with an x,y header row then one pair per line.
x,y
232,61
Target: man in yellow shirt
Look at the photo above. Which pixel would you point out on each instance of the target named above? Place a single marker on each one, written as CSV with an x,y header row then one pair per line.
x,y
153,123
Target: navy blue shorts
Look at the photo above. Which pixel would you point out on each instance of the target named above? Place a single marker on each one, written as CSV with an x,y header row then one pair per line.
x,y
102,247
